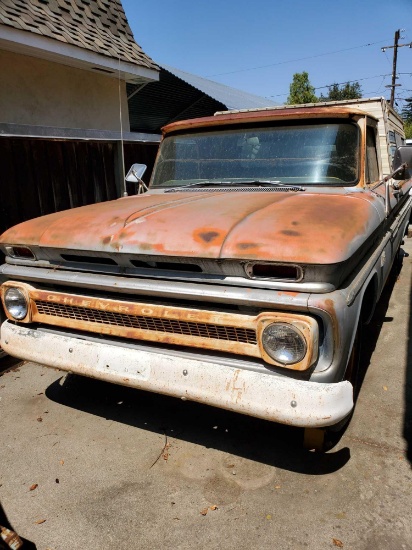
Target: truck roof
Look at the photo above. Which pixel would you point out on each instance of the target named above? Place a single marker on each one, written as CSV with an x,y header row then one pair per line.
x,y
287,112
374,107
342,102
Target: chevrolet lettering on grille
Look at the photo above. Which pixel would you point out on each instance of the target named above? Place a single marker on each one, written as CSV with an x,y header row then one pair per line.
x,y
116,307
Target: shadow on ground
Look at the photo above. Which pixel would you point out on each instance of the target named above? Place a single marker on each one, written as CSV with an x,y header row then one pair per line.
x,y
407,425
251,438
8,363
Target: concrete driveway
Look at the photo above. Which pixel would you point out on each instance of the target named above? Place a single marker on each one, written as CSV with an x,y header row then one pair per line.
x,y
88,465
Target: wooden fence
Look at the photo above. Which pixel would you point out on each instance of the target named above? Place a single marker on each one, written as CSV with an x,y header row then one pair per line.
x,y
41,176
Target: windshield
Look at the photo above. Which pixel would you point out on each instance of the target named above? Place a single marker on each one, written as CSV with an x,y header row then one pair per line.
x,y
322,154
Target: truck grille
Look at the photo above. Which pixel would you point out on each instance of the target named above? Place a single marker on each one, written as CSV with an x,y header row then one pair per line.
x,y
147,323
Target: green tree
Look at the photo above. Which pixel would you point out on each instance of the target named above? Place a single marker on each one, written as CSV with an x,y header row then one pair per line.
x,y
338,92
301,90
407,110
408,130
407,117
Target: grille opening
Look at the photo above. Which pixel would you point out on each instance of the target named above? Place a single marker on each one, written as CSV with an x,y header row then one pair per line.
x,y
88,259
179,267
158,324
168,266
267,271
138,263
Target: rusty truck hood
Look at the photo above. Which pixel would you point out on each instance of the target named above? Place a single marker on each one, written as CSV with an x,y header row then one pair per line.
x,y
304,227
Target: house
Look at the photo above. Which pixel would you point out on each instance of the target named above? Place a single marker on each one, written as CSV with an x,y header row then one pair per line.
x,y
65,66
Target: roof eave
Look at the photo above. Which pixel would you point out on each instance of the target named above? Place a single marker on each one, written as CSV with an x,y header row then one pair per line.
x,y
34,45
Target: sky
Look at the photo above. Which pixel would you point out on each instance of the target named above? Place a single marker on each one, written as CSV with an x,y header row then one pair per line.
x,y
257,45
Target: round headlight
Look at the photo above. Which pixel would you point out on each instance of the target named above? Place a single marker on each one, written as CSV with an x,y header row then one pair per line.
x,y
16,303
284,343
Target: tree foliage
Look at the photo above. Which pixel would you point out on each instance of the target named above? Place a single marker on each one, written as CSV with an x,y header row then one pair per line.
x,y
407,117
345,91
301,90
407,110
408,130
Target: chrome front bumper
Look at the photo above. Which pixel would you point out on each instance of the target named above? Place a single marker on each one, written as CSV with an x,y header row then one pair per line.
x,y
275,398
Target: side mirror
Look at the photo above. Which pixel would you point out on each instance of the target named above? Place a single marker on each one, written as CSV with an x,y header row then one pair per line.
x,y
136,172
135,175
403,155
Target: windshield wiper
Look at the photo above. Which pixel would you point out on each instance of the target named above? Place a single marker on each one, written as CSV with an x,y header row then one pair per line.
x,y
214,183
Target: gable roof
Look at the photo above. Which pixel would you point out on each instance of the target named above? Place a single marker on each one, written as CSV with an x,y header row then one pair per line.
x,y
99,26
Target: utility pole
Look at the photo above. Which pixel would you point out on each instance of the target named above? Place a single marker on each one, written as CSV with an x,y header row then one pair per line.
x,y
395,58
395,47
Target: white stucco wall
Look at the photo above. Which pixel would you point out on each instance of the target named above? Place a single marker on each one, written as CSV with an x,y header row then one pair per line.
x,y
41,93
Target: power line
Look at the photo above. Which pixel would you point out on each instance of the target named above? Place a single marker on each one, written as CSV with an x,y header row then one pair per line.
x,y
356,80
340,83
294,60
381,84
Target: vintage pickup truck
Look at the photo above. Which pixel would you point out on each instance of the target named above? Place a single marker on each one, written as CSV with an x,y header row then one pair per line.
x,y
240,279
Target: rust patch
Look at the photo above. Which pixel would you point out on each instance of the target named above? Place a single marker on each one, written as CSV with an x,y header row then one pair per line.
x,y
330,308
246,246
106,240
123,235
208,236
291,233
237,389
294,113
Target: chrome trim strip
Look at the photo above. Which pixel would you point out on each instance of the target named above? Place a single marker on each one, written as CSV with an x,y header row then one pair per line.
x,y
290,286
165,289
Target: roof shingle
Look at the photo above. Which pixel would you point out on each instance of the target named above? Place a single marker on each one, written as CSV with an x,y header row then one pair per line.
x,y
96,25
